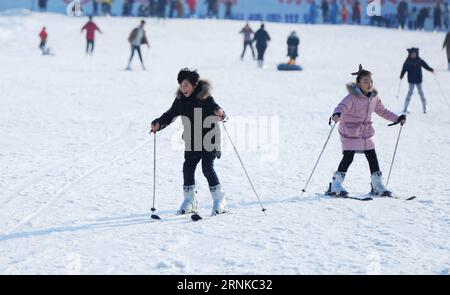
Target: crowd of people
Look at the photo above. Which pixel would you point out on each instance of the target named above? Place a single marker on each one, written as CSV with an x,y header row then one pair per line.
x,y
166,8
407,16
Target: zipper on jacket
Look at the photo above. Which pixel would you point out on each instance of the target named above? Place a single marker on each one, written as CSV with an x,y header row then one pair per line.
x,y
365,122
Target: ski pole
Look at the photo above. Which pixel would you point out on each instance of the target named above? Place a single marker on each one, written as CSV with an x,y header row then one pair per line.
x,y
399,87
317,162
154,216
395,152
442,91
243,167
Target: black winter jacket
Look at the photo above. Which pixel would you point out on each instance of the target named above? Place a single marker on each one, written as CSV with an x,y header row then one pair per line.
x,y
201,130
414,68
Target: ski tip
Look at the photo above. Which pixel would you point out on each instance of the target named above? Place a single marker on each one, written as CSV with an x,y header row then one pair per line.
x,y
411,198
196,217
155,217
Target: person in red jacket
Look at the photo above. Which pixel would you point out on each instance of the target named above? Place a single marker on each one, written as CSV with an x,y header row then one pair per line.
x,y
90,28
43,35
192,7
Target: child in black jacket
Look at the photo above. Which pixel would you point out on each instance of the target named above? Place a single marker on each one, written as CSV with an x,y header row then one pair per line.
x,y
200,115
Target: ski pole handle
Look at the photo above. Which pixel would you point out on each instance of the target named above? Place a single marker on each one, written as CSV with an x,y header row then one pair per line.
x,y
399,121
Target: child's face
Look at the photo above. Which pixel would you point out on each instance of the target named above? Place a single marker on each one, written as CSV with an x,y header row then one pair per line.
x,y
413,55
366,83
186,88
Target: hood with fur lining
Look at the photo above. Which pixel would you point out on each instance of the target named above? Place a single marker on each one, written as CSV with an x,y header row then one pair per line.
x,y
201,92
354,89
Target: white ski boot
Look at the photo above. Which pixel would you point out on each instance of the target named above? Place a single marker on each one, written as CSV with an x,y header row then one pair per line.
x,y
219,203
190,203
378,187
336,185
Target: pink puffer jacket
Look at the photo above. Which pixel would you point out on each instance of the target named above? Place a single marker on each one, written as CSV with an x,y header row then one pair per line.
x,y
355,126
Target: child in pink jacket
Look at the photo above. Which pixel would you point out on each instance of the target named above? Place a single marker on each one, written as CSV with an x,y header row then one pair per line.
x,y
354,114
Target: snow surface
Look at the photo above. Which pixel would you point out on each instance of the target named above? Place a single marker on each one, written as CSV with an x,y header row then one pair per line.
x,y
77,161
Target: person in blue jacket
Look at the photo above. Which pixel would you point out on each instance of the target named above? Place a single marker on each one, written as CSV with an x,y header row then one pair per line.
x,y
313,13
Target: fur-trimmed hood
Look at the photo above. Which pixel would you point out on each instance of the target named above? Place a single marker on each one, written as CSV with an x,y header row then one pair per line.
x,y
202,92
354,89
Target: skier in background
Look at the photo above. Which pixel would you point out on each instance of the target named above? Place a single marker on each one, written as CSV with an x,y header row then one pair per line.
x,y
137,38
90,28
195,94
248,40
354,114
413,65
43,35
261,37
447,45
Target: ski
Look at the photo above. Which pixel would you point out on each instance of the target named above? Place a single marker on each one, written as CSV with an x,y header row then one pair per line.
x,y
362,198
398,198
345,195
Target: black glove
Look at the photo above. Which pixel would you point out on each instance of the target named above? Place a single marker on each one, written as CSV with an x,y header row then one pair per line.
x,y
399,120
329,120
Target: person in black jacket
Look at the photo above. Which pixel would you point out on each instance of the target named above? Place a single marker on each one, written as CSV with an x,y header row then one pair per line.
x,y
42,5
292,42
437,16
200,115
447,45
261,37
402,13
413,65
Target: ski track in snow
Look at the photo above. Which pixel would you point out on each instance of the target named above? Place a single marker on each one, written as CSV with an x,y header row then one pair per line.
x,y
76,157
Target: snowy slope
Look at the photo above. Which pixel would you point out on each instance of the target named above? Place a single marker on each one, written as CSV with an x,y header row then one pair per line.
x,y
76,160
